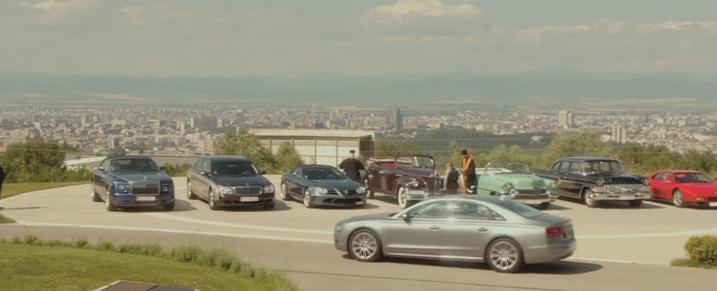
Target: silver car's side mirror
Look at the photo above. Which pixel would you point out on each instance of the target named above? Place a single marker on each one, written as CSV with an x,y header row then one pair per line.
x,y
406,217
101,169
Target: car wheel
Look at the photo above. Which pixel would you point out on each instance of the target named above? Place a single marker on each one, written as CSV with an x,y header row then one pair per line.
x,y
635,203
504,255
589,201
544,205
190,193
369,193
212,201
108,202
678,199
269,205
168,206
284,192
365,246
93,194
402,197
307,200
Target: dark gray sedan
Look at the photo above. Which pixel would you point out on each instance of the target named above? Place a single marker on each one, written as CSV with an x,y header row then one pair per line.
x,y
319,185
503,233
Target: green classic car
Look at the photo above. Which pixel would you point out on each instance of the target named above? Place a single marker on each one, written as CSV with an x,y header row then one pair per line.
x,y
514,179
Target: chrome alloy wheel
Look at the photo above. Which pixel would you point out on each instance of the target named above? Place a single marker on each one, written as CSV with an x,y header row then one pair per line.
x,y
402,197
364,246
504,256
307,199
283,194
678,199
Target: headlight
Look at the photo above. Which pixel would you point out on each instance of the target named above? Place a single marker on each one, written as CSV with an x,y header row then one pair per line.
x,y
267,189
165,188
318,191
361,190
224,190
600,182
413,183
122,188
514,193
339,227
507,187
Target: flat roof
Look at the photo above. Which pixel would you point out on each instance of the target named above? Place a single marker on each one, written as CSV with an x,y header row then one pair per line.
x,y
332,133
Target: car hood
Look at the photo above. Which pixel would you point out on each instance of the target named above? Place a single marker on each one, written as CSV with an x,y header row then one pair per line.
x,y
234,181
140,176
519,181
700,188
618,178
344,184
369,217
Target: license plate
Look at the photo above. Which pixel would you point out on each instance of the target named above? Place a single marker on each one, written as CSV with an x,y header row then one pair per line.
x,y
249,199
713,204
145,198
359,202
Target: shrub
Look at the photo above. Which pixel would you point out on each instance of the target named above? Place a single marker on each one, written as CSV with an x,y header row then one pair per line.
x,y
702,249
31,240
187,254
106,246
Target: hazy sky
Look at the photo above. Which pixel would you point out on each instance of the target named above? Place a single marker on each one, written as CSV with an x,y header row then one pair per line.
x,y
368,37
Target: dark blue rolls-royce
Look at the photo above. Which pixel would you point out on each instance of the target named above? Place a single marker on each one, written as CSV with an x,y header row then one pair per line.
x,y
132,181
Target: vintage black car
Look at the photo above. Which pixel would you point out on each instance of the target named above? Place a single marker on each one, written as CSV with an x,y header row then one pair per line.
x,y
225,181
320,185
592,180
410,179
132,181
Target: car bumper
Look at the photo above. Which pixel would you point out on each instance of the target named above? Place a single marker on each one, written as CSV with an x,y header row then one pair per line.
x,y
550,253
230,200
134,201
340,240
417,195
616,196
338,200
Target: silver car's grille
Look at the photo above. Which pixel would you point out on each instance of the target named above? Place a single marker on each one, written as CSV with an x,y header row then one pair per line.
x,y
145,188
248,190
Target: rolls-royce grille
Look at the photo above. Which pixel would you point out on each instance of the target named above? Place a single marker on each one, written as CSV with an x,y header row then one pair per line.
x,y
248,190
143,188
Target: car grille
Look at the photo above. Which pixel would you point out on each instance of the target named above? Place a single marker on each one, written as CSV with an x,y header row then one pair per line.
x,y
343,192
624,189
145,188
248,190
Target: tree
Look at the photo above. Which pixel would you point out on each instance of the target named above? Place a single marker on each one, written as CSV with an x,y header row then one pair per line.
x,y
390,149
247,145
287,158
576,144
39,161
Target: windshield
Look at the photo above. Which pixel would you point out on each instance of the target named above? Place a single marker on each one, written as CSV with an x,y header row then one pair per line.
x,y
416,161
323,173
602,167
133,165
683,178
234,168
508,167
520,208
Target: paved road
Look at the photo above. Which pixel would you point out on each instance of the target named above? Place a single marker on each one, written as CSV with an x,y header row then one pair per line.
x,y
298,240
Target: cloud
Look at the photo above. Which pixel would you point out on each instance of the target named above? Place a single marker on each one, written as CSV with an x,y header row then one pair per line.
x,y
407,10
678,26
611,27
152,15
62,7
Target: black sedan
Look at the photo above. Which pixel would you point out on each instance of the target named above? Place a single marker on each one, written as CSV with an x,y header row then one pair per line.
x,y
132,181
318,185
225,181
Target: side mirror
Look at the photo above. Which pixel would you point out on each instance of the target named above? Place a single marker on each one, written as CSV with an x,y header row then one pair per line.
x,y
101,169
406,217
205,173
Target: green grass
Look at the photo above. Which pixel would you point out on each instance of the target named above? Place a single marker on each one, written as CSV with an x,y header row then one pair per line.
x,y
691,264
4,219
12,189
31,264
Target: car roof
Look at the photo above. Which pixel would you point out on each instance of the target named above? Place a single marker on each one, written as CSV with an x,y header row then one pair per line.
x,y
586,159
227,158
315,166
130,157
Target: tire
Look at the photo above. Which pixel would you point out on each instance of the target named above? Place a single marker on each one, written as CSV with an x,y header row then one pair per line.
x,y
589,202
544,205
269,205
678,199
307,200
95,197
635,203
504,255
283,192
190,193
365,246
212,201
108,203
402,198
168,206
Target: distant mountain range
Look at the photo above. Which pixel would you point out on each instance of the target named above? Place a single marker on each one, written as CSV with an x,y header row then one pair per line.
x,y
552,86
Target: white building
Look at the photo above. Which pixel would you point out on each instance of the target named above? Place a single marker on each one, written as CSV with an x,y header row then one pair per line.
x,y
319,146
565,119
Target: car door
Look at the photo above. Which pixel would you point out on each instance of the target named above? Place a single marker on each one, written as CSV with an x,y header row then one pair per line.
x,y
570,179
296,183
468,230
419,234
192,176
662,186
200,183
99,177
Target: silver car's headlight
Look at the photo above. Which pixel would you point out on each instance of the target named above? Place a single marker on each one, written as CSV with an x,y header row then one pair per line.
x,y
224,190
267,189
361,190
122,188
339,228
318,191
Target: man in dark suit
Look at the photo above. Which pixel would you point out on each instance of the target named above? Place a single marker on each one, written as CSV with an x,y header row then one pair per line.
x,y
352,167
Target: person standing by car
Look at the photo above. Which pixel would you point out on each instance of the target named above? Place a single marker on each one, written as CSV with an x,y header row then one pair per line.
x,y
469,172
451,182
352,167
2,179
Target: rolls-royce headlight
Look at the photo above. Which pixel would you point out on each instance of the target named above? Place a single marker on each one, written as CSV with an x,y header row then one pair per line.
x,y
122,188
507,187
267,189
361,190
165,188
224,190
318,191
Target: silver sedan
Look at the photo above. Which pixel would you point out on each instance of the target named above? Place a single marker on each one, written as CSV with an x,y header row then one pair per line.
x,y
503,233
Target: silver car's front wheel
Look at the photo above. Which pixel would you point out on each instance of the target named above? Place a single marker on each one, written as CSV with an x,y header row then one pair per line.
x,y
364,245
402,197
504,255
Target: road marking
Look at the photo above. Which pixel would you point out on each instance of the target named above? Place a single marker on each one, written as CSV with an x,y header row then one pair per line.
x,y
234,225
129,228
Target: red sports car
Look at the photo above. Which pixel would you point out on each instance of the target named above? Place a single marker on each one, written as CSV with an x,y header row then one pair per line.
x,y
684,188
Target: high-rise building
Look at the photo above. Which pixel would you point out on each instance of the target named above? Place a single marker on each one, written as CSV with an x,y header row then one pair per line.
x,y
619,133
397,119
565,119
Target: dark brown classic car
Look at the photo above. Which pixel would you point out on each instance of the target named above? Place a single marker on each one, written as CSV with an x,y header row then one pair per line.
x,y
410,179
